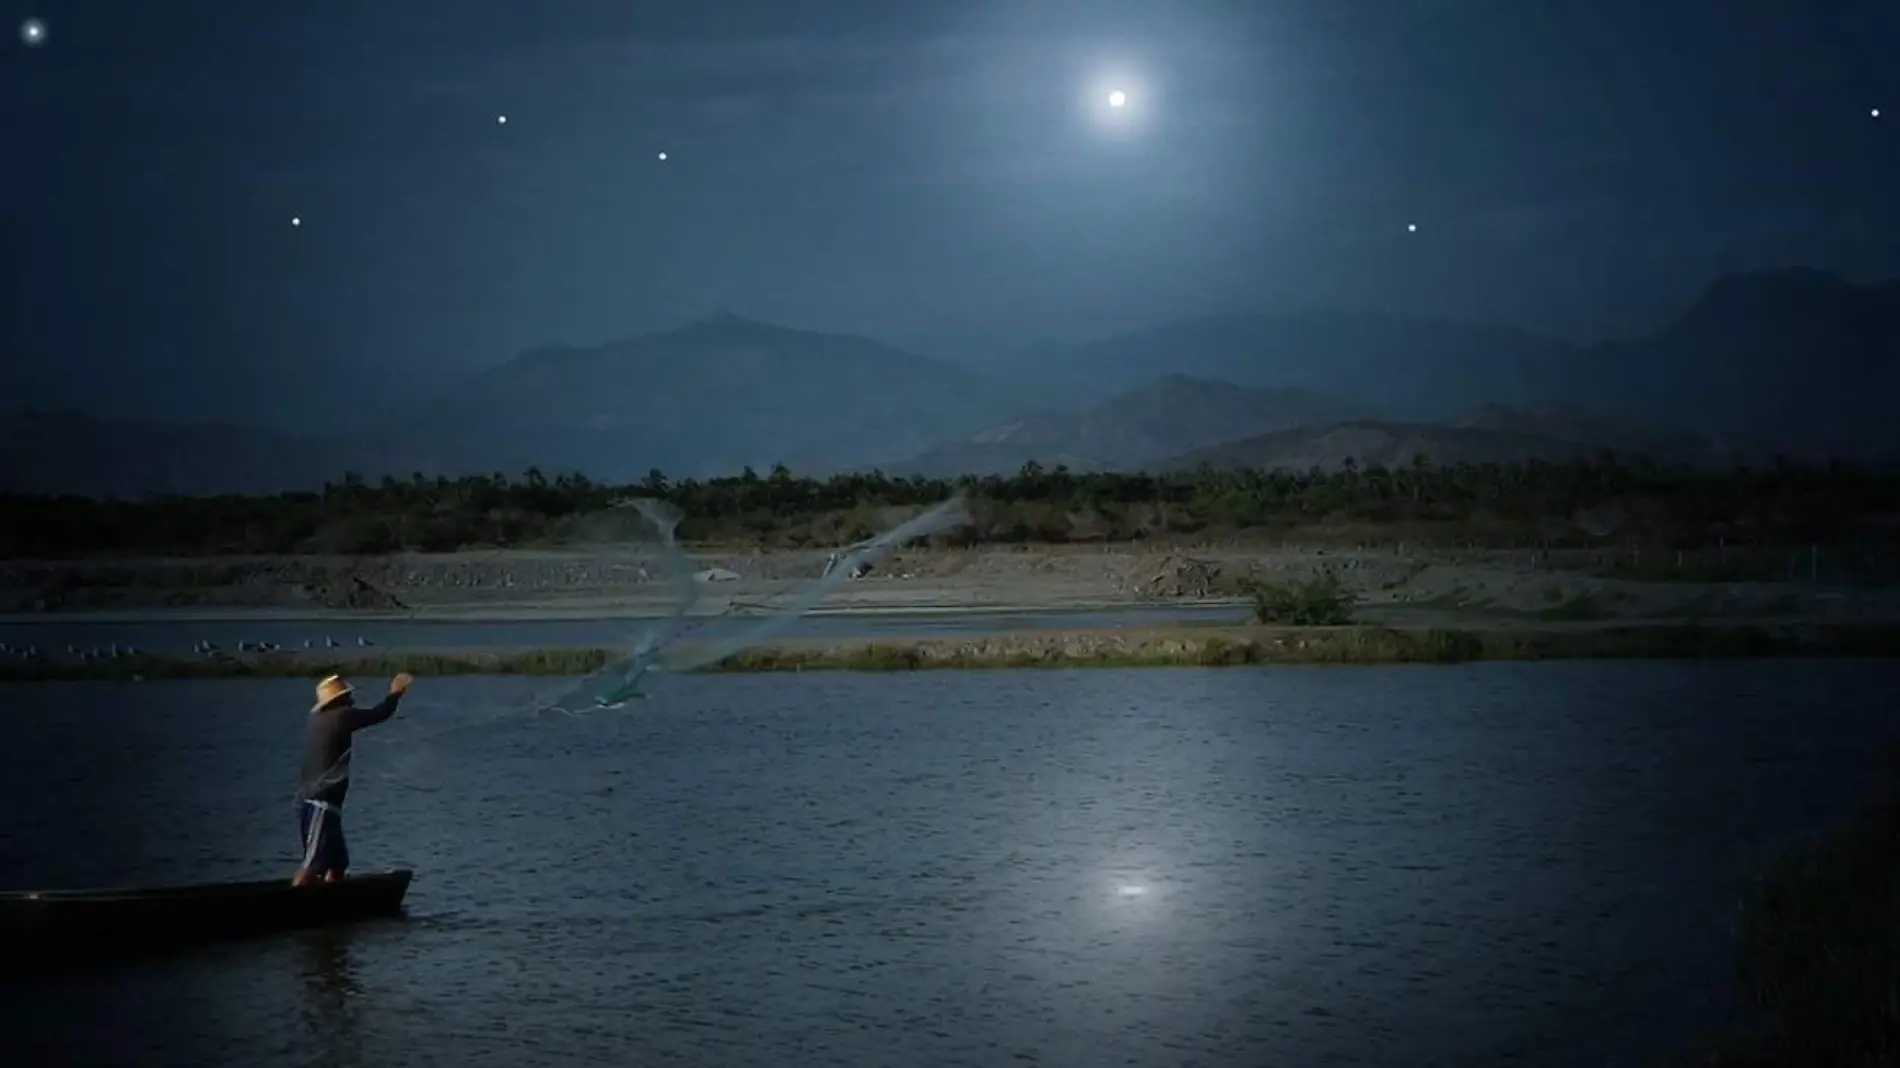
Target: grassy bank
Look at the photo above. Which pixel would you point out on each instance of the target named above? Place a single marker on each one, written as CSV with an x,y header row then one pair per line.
x,y
551,662
1219,647
1173,646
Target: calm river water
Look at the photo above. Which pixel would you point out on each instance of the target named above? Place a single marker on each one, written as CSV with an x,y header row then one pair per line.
x,y
1470,865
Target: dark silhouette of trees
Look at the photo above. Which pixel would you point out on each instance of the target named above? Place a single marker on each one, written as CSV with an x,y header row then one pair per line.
x,y
1594,503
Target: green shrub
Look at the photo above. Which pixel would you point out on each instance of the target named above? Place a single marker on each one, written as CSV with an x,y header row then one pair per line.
x,y
1317,602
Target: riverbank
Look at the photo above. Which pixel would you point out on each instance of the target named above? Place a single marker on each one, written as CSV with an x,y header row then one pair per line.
x,y
1169,646
624,582
1218,646
589,611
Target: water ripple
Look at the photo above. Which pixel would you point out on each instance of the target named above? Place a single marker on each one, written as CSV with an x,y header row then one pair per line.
x,y
1487,864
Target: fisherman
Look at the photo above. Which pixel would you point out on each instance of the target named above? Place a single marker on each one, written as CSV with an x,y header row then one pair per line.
x,y
326,772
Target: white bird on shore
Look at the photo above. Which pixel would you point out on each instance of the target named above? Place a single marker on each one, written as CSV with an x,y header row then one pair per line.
x,y
364,642
329,642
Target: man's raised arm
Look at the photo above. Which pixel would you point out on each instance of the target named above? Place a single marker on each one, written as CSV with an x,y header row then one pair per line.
x,y
383,709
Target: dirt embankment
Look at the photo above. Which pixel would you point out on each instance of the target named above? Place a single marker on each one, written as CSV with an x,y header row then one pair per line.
x,y
1549,586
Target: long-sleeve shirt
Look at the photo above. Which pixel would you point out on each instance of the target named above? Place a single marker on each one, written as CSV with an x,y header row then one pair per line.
x,y
327,747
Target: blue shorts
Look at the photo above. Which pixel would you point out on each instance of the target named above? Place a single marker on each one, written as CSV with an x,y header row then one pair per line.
x,y
324,850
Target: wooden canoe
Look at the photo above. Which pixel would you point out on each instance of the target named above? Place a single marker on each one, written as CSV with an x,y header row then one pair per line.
x,y
47,928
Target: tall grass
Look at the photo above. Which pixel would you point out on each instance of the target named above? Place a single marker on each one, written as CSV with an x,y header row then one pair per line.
x,y
1818,953
1820,947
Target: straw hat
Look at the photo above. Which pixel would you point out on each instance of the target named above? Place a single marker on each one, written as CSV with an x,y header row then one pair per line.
x,y
329,691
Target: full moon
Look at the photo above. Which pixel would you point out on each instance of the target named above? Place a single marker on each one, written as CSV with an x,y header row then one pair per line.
x,y
296,220
1411,228
33,33
1117,98
501,120
662,156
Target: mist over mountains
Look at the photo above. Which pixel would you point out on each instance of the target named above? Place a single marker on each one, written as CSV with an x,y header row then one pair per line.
x,y
1797,363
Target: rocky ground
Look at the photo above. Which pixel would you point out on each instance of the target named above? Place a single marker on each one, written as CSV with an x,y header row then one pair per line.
x,y
1570,587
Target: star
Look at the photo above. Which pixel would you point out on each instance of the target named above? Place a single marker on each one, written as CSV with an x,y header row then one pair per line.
x,y
662,157
33,33
1411,228
501,120
296,220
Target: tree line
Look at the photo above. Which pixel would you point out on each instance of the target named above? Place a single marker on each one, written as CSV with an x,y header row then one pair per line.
x,y
1552,505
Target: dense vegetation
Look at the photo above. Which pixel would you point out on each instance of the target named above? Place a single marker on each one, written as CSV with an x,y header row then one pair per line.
x,y
1532,504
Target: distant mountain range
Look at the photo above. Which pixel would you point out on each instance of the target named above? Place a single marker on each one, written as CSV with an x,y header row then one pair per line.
x,y
1798,362
709,398
1497,436
1181,423
1409,368
1800,358
1128,430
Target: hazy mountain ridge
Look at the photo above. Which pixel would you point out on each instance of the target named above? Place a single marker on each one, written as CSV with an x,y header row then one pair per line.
x,y
1410,368
1494,435
1180,422
1170,415
1802,358
711,398
1800,361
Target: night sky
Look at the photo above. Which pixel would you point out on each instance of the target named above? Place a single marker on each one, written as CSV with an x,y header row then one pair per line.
x,y
947,176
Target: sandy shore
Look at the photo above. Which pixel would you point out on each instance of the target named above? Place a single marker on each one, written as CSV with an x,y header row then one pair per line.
x,y
526,587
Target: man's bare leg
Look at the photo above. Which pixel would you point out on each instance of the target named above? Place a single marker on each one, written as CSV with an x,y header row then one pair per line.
x,y
302,877
333,876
